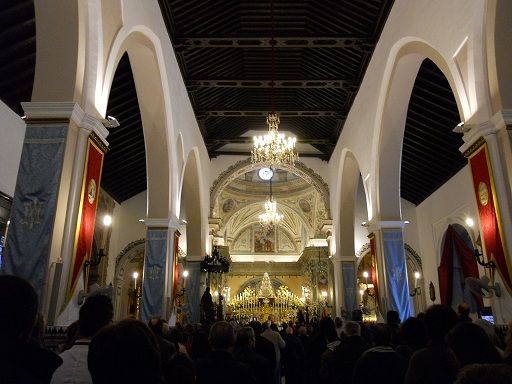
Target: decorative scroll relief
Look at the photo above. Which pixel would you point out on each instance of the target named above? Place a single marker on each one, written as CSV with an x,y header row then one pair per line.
x,y
285,243
243,242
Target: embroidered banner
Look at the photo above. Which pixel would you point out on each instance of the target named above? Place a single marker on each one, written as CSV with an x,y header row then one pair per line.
x,y
86,214
375,276
396,273
153,281
488,210
27,247
349,283
176,269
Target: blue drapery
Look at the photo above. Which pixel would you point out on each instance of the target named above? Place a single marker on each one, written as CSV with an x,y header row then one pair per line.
x,y
349,285
396,273
192,292
153,288
27,249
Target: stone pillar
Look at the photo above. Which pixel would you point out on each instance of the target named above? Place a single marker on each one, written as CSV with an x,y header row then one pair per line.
x,y
47,198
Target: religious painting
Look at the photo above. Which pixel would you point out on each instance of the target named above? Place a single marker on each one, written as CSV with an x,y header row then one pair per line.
x,y
228,205
264,239
304,205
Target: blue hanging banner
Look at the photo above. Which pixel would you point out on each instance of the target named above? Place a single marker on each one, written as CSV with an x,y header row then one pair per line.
x,y
27,247
153,287
349,285
396,273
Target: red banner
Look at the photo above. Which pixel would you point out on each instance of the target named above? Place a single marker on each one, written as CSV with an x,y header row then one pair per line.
x,y
375,276
492,230
86,214
176,269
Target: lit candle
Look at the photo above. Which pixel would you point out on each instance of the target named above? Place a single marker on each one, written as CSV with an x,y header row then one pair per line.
x,y
416,277
135,275
185,274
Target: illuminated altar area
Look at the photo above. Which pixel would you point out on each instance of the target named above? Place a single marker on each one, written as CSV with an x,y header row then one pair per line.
x,y
279,305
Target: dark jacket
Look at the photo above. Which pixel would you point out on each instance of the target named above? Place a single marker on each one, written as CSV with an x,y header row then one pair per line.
x,y
265,348
293,359
220,367
260,365
345,357
23,362
378,365
432,364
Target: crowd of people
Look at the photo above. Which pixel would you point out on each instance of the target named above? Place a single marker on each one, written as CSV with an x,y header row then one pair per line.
x,y
438,346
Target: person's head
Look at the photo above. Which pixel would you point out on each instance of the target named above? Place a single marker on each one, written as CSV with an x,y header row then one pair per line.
x,y
439,319
414,332
326,323
18,308
126,352
179,369
156,325
352,328
273,327
357,315
289,331
331,335
96,313
471,345
222,335
176,335
484,374
338,322
256,325
265,326
245,337
487,326
463,309
381,334
392,318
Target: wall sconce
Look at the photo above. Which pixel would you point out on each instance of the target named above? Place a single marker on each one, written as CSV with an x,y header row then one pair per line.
x,y
96,258
417,290
480,260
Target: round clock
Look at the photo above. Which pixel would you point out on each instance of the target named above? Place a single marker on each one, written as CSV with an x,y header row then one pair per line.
x,y
265,173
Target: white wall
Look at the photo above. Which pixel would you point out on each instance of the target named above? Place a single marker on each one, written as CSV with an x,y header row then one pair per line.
x,y
12,133
452,203
126,228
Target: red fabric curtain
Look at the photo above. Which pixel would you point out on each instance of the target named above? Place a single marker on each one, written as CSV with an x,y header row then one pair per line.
x,y
467,262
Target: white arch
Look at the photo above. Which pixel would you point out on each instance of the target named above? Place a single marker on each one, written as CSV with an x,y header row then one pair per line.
x,y
399,77
191,201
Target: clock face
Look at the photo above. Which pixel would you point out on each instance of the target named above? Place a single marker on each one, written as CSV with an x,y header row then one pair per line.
x,y
265,173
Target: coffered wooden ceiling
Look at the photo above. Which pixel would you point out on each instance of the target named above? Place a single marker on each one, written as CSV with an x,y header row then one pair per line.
x,y
223,47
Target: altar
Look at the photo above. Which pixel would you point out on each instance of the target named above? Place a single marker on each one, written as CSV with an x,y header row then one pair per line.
x,y
279,305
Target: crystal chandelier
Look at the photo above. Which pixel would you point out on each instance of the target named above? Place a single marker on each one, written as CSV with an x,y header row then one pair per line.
x,y
273,149
271,217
